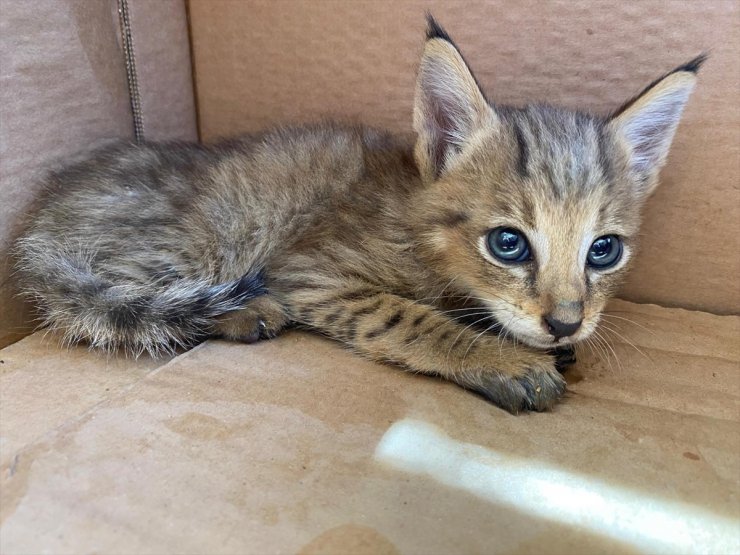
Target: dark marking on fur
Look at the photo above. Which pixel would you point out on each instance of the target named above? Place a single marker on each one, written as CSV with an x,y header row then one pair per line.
x,y
362,311
394,320
454,218
249,286
605,161
388,325
332,317
412,337
523,160
352,295
350,330
445,335
419,319
306,314
374,333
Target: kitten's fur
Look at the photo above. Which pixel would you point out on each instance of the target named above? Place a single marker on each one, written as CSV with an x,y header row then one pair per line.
x,y
345,230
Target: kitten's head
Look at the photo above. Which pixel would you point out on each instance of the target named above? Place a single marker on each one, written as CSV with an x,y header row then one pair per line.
x,y
534,212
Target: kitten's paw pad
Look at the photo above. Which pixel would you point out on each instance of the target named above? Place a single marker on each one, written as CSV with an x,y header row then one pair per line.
x,y
538,388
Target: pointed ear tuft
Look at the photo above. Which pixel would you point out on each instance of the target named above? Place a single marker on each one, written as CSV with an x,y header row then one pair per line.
x,y
694,65
449,106
648,122
435,30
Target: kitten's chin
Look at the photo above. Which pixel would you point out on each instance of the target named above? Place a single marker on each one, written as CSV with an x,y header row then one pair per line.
x,y
547,342
544,341
538,343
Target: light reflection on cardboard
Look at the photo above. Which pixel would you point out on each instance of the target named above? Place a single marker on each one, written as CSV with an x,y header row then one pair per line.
x,y
653,525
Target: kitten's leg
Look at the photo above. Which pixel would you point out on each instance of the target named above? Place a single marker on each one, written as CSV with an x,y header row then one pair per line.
x,y
421,338
261,318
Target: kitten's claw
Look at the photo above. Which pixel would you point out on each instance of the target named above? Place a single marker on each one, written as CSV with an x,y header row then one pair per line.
x,y
536,389
261,331
267,332
262,318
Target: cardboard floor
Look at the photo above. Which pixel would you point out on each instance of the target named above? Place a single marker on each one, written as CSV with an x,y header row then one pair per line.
x,y
298,446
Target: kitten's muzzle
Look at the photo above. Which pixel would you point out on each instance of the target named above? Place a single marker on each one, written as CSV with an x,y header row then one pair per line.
x,y
563,319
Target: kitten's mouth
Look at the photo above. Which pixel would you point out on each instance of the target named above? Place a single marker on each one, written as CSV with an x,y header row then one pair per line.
x,y
519,330
551,344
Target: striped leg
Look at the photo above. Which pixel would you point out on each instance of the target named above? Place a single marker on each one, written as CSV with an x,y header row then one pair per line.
x,y
392,328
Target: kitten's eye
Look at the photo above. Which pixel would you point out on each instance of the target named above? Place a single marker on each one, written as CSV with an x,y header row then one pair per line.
x,y
508,244
604,252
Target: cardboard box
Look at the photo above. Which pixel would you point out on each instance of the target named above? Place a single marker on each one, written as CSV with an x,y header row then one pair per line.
x,y
297,446
233,448
65,91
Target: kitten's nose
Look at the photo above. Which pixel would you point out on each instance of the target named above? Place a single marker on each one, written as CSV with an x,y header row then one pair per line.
x,y
559,329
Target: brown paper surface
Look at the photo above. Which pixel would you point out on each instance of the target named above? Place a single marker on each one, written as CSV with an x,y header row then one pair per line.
x,y
259,63
298,446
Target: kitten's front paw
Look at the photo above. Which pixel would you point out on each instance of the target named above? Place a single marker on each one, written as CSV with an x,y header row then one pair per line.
x,y
537,387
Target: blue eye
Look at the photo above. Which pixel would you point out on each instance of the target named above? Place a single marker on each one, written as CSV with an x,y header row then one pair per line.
x,y
508,245
605,252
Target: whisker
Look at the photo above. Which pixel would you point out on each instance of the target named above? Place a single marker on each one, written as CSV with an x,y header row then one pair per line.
x,y
452,345
462,364
464,309
607,349
609,315
590,343
507,331
610,345
623,338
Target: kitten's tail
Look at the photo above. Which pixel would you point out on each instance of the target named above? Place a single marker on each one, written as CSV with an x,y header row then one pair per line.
x,y
156,317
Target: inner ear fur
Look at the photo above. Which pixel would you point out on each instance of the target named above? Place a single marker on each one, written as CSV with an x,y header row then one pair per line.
x,y
449,106
647,123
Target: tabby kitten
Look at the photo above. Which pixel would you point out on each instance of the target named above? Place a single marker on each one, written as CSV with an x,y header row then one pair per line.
x,y
474,257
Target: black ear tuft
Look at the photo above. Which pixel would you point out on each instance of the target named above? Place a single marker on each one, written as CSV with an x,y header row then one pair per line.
x,y
435,30
694,65
691,66
449,106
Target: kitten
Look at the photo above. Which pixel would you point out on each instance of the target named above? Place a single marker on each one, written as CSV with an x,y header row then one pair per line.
x,y
495,241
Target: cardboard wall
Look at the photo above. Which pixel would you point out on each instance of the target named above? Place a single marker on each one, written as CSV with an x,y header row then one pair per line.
x,y
64,90
260,63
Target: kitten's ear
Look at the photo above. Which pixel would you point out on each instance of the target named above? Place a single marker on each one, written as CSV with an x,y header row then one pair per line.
x,y
449,106
646,124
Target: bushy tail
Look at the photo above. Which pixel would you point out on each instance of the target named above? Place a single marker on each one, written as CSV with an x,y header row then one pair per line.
x,y
155,318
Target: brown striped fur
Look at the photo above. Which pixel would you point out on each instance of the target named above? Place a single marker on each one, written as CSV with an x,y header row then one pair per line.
x,y
354,233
